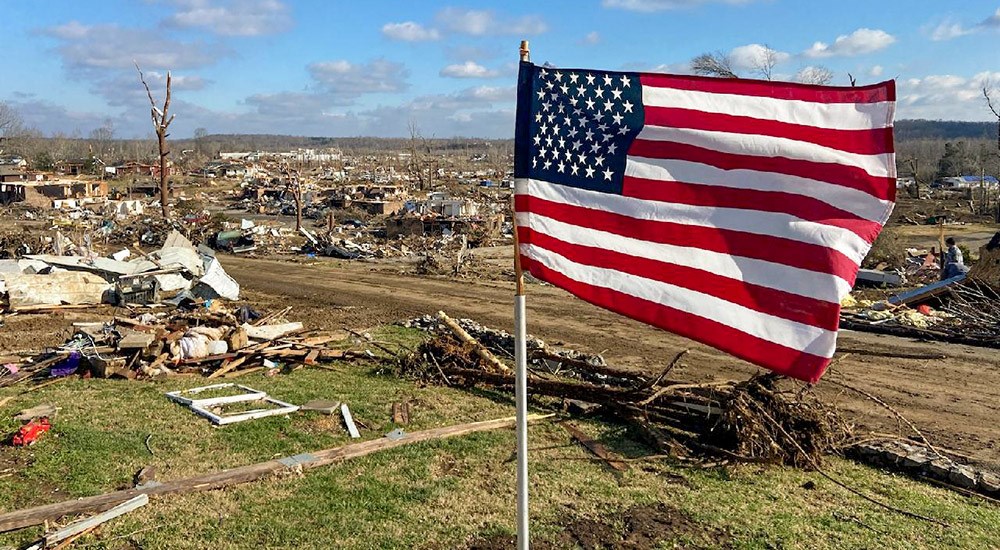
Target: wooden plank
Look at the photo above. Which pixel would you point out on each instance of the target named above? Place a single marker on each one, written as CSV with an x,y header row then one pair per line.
x,y
46,308
595,447
228,366
311,357
216,480
239,373
299,353
83,525
352,428
209,359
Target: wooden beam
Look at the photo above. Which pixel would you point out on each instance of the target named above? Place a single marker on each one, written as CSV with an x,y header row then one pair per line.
x,y
244,474
595,447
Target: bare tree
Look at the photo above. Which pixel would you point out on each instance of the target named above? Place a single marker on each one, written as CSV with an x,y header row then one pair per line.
x,y
713,64
102,140
10,124
987,90
416,166
161,121
814,75
10,120
763,66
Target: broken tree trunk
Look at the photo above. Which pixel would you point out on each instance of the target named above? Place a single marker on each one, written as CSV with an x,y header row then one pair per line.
x,y
217,480
161,121
481,351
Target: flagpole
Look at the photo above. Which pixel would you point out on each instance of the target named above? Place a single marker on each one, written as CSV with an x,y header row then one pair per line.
x,y
521,377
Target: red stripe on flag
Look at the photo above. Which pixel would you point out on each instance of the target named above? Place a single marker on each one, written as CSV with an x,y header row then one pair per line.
x,y
800,206
852,177
874,141
736,243
781,359
785,305
875,93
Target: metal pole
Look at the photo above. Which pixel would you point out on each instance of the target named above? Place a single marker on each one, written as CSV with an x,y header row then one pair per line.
x,y
521,396
521,379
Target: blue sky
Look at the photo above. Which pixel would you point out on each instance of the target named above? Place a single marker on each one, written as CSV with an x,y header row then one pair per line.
x,y
333,68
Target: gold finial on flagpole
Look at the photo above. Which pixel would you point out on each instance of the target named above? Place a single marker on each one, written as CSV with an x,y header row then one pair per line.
x,y
525,51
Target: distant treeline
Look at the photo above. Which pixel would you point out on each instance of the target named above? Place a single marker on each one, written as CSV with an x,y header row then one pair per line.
x,y
907,130
271,142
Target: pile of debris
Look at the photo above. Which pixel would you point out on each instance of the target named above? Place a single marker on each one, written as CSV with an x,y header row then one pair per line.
x,y
251,236
962,310
204,338
177,271
756,420
154,230
14,244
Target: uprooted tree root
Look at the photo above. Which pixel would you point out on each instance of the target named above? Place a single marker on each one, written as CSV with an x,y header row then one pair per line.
x,y
755,420
758,419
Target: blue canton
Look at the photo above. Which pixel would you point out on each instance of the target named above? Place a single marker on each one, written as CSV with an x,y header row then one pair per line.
x,y
580,126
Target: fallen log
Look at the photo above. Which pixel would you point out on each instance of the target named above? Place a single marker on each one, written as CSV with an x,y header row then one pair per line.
x,y
244,474
481,351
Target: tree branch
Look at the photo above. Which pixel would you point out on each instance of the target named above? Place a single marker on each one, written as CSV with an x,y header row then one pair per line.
x,y
989,102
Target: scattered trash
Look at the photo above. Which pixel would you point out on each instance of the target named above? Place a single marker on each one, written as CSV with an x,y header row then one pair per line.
x,y
29,433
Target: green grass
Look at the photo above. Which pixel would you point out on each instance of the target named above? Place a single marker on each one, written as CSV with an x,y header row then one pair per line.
x,y
427,495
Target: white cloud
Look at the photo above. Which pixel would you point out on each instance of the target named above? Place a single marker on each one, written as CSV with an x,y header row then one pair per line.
x,y
859,42
662,5
949,29
232,18
481,111
945,97
349,80
469,69
101,47
591,38
875,71
409,31
74,30
488,23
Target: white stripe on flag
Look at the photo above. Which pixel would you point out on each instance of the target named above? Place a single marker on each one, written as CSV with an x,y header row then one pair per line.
x,y
771,224
769,146
837,116
819,286
850,200
780,331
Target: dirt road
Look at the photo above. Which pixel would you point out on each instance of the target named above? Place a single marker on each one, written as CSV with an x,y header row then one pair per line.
x,y
953,400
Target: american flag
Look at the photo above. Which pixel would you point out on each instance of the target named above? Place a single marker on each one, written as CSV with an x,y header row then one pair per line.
x,y
732,212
